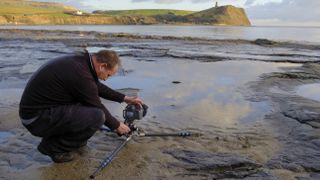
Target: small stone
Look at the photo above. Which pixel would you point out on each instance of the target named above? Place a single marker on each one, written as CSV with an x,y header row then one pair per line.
x,y
264,42
176,82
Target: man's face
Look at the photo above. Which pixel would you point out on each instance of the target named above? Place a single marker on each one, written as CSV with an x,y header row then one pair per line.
x,y
106,72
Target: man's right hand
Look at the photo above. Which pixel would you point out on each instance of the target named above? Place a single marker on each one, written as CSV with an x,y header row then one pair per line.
x,y
122,129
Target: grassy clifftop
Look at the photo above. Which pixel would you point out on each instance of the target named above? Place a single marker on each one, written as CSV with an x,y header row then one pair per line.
x,y
144,12
224,15
21,7
28,12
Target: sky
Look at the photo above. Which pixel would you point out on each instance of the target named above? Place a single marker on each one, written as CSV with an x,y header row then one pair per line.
x,y
260,12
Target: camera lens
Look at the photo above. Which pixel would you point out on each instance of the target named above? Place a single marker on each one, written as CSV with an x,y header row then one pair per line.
x,y
129,114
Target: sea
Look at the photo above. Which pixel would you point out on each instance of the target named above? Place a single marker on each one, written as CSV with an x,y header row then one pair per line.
x,y
235,97
304,35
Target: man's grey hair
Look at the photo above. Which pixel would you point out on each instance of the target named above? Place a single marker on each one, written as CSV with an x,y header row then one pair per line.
x,y
109,57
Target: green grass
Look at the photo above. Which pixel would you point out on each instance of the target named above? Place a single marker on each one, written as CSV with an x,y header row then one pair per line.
x,y
145,12
20,7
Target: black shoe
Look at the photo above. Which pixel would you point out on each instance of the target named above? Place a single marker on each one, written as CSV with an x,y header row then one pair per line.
x,y
56,157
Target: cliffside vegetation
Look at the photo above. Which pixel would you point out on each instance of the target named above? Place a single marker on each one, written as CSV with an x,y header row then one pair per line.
x,y
22,7
28,12
144,12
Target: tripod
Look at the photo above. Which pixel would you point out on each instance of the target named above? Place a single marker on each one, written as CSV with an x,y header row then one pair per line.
x,y
134,132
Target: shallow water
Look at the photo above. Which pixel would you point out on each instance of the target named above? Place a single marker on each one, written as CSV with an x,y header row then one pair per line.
x,y
310,91
10,96
208,95
4,136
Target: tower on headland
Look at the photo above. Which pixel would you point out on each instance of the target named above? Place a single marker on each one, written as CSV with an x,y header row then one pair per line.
x,y
216,4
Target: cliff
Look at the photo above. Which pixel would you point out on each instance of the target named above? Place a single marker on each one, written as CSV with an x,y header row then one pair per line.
x,y
24,7
39,13
47,20
224,15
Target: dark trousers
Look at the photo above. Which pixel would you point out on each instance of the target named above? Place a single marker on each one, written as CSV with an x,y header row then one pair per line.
x,y
66,128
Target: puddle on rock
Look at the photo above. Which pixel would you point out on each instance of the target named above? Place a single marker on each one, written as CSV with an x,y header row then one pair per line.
x,y
310,91
208,94
10,96
4,135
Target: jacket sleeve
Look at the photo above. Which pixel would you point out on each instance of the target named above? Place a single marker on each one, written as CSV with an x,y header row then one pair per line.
x,y
109,94
85,91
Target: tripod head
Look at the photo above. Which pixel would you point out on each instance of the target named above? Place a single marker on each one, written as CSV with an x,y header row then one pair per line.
x,y
134,112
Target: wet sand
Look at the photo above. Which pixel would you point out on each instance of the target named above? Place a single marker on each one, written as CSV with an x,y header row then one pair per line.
x,y
244,97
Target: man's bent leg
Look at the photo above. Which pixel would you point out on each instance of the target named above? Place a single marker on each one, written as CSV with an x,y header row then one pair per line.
x,y
66,128
72,126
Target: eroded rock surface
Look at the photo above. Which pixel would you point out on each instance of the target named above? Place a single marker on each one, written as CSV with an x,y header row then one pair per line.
x,y
217,165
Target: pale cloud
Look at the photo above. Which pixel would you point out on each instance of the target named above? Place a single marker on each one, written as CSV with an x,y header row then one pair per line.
x,y
167,1
249,3
291,12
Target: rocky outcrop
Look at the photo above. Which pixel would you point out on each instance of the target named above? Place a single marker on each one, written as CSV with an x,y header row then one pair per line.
x,y
217,165
224,15
44,19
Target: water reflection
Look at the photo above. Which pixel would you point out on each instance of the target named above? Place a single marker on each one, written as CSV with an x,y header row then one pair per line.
x,y
207,95
4,136
310,91
10,96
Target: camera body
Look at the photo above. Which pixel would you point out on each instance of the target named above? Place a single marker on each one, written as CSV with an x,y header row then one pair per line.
x,y
134,112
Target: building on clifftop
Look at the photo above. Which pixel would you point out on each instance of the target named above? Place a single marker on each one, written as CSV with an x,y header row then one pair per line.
x,y
79,13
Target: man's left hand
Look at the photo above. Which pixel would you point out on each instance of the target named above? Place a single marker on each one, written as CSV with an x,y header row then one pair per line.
x,y
133,100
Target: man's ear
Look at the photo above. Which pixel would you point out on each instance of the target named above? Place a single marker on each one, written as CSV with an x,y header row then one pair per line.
x,y
101,66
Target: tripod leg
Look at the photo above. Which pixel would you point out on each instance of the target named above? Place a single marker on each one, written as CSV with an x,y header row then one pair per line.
x,y
108,160
179,134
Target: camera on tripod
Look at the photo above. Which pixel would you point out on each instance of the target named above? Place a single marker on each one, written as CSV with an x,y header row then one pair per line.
x,y
134,112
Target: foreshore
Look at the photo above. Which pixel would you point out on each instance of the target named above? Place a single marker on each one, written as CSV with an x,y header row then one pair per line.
x,y
241,95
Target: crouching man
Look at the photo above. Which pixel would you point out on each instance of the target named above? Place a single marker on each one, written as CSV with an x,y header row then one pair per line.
x,y
61,102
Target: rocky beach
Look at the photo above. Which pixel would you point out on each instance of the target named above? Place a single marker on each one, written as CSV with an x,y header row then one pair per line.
x,y
254,105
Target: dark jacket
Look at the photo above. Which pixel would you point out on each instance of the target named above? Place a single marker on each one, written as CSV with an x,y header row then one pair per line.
x,y
64,81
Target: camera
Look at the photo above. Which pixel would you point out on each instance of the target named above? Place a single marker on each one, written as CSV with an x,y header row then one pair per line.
x,y
134,112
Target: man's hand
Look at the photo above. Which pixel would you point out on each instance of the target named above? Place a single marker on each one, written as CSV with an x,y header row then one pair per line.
x,y
122,129
133,100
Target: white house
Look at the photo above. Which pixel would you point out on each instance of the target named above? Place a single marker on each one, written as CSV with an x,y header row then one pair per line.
x,y
79,13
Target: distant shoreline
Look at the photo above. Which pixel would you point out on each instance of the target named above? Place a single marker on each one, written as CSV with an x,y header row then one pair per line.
x,y
288,34
185,24
52,34
116,24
